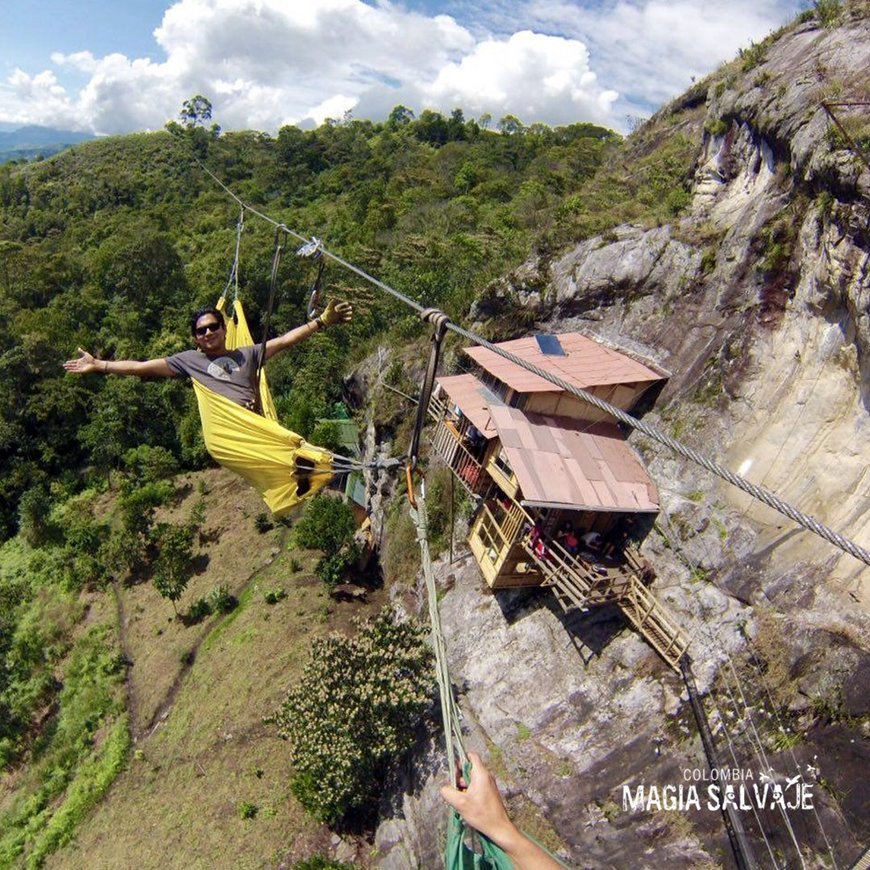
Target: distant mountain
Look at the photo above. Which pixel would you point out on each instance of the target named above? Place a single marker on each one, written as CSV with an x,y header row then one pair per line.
x,y
32,141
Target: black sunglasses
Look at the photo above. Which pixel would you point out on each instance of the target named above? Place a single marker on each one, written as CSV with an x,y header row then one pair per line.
x,y
214,326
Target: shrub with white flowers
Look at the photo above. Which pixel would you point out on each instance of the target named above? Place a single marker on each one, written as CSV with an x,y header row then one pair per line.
x,y
355,709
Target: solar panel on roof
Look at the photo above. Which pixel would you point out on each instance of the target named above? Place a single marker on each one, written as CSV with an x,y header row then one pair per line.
x,y
550,345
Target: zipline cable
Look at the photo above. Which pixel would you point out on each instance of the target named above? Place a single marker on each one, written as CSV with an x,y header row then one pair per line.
x,y
733,755
757,492
773,706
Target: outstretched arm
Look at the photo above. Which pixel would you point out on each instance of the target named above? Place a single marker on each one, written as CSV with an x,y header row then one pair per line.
x,y
481,806
87,364
336,312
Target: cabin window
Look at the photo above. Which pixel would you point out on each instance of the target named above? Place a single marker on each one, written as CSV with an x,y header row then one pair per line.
x,y
502,464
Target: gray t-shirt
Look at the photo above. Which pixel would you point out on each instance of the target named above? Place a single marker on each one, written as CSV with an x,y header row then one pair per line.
x,y
231,374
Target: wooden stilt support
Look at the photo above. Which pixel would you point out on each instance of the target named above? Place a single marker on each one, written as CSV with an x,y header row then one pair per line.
x,y
743,854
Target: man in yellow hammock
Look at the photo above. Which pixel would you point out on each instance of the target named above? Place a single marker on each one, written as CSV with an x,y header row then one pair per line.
x,y
280,464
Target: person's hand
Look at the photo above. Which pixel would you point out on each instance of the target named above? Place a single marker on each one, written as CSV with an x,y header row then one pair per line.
x,y
480,803
336,312
84,365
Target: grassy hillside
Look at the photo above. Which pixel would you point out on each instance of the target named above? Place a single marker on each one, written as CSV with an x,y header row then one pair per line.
x,y
205,777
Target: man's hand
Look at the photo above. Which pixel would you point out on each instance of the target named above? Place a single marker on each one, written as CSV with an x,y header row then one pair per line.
x,y
336,312
84,365
480,804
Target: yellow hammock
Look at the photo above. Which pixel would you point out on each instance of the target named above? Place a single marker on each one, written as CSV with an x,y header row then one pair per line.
x,y
258,448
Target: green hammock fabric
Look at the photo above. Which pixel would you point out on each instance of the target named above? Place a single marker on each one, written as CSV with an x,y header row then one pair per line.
x,y
458,856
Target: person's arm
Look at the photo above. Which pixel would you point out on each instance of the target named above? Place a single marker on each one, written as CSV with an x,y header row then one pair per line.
x,y
88,364
336,312
481,806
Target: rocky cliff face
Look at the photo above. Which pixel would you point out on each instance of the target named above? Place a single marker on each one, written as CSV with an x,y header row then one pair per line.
x,y
756,299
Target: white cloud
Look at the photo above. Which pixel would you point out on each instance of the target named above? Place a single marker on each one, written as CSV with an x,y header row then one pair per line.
x,y
533,76
264,63
45,94
83,61
649,50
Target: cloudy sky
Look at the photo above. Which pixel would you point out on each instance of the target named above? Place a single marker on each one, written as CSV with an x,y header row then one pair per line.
x,y
109,66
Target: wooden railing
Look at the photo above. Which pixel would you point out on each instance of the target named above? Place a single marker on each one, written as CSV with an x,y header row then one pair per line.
x,y
581,584
469,472
437,408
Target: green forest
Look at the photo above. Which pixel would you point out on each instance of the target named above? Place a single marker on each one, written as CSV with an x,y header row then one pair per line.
x,y
111,244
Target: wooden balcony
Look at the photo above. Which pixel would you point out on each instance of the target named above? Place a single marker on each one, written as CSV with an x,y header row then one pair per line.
x,y
496,542
447,442
508,558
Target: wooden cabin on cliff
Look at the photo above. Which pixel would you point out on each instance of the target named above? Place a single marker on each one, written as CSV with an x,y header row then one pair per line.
x,y
562,496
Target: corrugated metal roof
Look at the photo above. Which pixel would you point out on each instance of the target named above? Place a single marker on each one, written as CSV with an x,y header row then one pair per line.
x,y
567,463
473,399
586,363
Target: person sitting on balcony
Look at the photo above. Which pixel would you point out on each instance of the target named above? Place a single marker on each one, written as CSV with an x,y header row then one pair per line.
x,y
473,440
536,540
592,541
624,534
568,539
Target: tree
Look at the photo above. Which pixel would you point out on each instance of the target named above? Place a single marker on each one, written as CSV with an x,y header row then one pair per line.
x,y
431,127
195,111
353,711
399,117
33,510
510,125
456,126
328,525
173,567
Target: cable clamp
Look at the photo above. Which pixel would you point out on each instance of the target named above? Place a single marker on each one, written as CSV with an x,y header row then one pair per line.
x,y
313,249
437,318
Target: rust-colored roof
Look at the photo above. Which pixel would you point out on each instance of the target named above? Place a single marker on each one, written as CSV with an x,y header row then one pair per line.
x,y
586,363
472,398
567,463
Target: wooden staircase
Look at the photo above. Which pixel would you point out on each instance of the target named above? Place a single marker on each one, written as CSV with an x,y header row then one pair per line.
x,y
578,584
644,611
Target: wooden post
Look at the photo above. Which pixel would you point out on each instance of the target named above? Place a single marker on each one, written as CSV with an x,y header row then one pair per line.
x,y
743,855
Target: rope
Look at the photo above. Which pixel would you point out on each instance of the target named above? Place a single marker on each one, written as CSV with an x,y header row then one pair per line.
x,y
754,747
450,715
233,279
710,465
762,755
270,305
773,706
733,754
858,152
